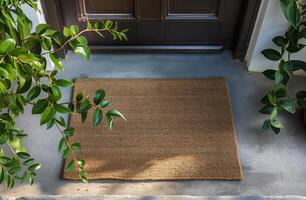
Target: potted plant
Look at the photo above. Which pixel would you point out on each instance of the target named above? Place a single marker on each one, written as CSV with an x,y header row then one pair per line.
x,y
278,98
25,81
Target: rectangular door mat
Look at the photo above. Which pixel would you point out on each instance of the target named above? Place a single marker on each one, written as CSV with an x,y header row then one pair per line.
x,y
176,129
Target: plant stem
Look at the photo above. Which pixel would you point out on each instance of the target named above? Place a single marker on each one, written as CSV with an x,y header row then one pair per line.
x,y
73,38
67,143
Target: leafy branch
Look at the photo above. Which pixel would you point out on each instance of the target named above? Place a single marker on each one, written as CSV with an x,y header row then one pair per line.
x,y
25,81
278,98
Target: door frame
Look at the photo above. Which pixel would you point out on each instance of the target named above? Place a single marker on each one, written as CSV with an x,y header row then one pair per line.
x,y
241,40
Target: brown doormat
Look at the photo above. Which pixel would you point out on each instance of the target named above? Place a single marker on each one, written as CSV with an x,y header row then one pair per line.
x,y
176,129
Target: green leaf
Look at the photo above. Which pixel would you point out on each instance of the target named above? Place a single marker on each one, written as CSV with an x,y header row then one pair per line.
x,y
46,43
82,40
70,167
84,116
81,162
23,155
1,174
16,144
79,97
288,68
28,162
41,29
27,58
56,93
57,61
280,41
298,64
24,26
276,124
64,83
266,125
284,5
2,88
4,160
71,107
50,123
32,176
69,131
34,167
287,105
83,51
7,45
98,25
281,92
278,77
267,109
273,119
109,119
301,94
67,32
7,71
24,82
302,103
85,105
99,96
115,113
14,170
84,178
60,120
65,153
61,109
104,104
89,25
40,106
290,11
9,181
16,52
108,24
271,54
33,93
50,33
76,147
97,117
124,36
295,48
270,74
275,130
273,114
62,145
125,30
47,115
74,29
4,138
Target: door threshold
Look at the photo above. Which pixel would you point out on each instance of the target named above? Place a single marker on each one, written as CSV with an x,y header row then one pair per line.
x,y
157,48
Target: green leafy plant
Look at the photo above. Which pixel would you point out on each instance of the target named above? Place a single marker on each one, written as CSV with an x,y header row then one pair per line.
x,y
24,81
278,98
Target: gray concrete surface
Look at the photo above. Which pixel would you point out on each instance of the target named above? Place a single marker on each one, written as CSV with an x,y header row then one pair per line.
x,y
172,197
272,165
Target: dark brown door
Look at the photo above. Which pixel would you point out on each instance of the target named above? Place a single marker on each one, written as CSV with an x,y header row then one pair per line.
x,y
160,22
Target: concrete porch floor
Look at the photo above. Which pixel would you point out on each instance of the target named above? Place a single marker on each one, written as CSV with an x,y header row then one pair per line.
x,y
272,165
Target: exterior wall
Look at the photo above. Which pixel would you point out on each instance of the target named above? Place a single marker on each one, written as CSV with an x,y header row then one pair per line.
x,y
270,22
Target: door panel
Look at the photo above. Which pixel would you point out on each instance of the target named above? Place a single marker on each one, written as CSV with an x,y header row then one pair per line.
x,y
149,9
193,7
159,22
105,9
194,10
109,6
